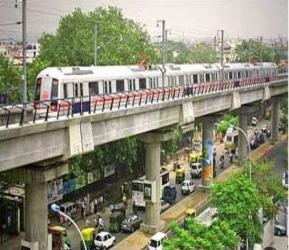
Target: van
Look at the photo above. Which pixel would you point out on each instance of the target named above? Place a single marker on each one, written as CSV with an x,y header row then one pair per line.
x,y
254,121
68,208
156,241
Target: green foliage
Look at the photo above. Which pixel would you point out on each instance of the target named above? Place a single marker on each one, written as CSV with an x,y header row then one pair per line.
x,y
268,185
227,121
196,236
238,202
171,146
178,52
120,40
256,51
10,80
203,53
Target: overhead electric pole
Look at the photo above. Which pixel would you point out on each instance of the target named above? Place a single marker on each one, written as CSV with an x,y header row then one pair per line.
x,y
222,54
215,48
95,45
24,85
166,47
163,50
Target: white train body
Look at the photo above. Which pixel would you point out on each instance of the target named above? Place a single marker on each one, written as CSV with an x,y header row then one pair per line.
x,y
56,84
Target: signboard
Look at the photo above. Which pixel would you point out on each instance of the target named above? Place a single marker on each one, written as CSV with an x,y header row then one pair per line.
x,y
150,191
93,176
69,186
108,171
55,190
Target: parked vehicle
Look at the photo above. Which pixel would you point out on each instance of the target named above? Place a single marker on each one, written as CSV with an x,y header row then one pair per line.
x,y
188,186
254,121
156,241
196,170
88,236
279,229
104,240
115,220
170,194
131,223
68,208
180,175
164,205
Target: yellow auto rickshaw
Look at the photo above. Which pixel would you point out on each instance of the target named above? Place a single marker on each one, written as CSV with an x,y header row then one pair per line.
x,y
195,156
189,214
88,236
180,175
59,237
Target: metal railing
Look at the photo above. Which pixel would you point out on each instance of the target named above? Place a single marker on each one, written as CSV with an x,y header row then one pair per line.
x,y
78,106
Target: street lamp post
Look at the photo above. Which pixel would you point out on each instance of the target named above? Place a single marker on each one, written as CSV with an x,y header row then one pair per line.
x,y
249,149
56,209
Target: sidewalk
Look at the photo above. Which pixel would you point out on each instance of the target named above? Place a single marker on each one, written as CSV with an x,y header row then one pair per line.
x,y
139,240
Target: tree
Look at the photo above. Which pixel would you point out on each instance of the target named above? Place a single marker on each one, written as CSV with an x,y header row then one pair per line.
x,y
267,184
256,51
238,202
10,80
227,121
197,236
203,53
178,52
171,146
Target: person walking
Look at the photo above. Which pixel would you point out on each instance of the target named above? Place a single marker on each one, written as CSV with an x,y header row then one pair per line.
x,y
95,205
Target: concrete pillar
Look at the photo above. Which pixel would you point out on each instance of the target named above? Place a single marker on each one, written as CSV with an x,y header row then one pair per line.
x,y
36,213
275,107
152,223
208,149
242,142
36,201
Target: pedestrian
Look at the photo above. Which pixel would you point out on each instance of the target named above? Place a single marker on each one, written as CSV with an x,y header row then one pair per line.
x,y
92,207
82,210
101,202
122,189
95,205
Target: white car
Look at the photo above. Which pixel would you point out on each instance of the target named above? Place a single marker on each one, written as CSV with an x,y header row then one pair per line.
x,y
188,187
196,170
156,241
104,240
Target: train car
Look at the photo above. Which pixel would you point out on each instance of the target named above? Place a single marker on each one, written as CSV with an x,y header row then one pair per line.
x,y
59,87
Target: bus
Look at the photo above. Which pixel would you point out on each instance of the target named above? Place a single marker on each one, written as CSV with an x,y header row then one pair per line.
x,y
138,188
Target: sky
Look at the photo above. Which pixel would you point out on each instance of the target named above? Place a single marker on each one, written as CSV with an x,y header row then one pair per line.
x,y
185,19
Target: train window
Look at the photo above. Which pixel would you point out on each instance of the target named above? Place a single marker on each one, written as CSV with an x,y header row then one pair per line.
x,y
81,89
195,78
133,83
142,83
230,75
129,85
54,89
188,79
105,87
119,85
109,85
181,80
207,77
64,90
239,74
93,88
75,89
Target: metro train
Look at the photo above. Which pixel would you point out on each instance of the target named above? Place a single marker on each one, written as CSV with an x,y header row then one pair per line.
x,y
56,84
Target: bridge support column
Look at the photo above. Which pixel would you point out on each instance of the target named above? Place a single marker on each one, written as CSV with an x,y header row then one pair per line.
x,y
36,180
208,149
242,141
152,223
36,214
275,107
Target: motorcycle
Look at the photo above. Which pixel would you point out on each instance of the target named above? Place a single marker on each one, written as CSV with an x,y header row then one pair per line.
x,y
176,165
222,163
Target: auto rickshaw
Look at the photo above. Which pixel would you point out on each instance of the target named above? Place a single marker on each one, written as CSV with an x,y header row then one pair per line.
x,y
59,237
88,234
115,220
180,175
195,156
189,214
